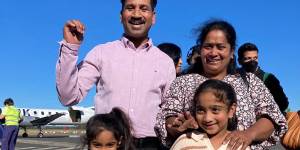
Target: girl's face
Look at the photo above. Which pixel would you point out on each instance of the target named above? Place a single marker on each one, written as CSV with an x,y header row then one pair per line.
x,y
216,53
105,140
212,114
178,66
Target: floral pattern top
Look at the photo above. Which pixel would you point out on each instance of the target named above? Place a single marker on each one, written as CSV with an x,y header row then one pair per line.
x,y
253,101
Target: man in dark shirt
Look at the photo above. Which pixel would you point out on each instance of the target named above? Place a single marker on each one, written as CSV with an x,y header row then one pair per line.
x,y
248,59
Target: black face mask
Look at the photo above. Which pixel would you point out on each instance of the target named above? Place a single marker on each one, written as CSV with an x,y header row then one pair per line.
x,y
250,66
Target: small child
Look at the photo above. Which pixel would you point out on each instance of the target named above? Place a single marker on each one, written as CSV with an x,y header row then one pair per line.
x,y
109,131
215,105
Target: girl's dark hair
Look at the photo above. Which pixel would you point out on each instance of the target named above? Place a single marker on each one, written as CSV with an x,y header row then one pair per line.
x,y
224,92
172,50
117,122
203,31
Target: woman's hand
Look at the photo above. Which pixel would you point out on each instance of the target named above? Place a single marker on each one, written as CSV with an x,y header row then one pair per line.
x,y
259,131
238,139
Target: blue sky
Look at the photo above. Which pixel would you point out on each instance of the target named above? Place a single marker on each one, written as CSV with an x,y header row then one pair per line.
x,y
31,29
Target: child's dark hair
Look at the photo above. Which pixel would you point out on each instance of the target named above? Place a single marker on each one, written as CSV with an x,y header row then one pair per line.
x,y
224,92
117,122
171,50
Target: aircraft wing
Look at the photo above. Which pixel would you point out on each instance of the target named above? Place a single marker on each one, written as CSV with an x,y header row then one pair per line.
x,y
45,120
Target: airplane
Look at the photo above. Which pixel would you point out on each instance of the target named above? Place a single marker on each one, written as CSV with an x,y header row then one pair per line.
x,y
75,115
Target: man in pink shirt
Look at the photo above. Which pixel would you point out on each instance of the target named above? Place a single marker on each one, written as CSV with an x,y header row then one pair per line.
x,y
130,73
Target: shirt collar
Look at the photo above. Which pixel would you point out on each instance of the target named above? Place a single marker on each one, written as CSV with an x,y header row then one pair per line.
x,y
128,44
198,136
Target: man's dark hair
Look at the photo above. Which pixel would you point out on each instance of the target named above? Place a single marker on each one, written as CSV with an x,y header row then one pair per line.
x,y
153,4
246,47
8,102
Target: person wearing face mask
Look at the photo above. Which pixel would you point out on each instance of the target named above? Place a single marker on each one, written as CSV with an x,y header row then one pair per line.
x,y
248,59
130,73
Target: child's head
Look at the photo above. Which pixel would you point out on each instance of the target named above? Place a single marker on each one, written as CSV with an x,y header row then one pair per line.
x,y
110,131
215,105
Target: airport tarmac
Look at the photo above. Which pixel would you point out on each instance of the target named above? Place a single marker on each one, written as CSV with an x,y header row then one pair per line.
x,y
61,139
49,143
53,139
49,132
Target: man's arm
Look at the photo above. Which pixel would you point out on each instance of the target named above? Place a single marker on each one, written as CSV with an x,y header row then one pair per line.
x,y
3,113
21,117
273,84
72,81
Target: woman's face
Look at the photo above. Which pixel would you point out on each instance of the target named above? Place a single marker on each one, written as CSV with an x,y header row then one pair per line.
x,y
215,54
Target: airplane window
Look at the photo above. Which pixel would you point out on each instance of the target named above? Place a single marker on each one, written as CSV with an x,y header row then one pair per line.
x,y
35,112
42,113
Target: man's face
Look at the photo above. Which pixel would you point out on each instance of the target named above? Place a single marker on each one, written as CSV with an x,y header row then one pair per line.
x,y
250,55
137,18
250,61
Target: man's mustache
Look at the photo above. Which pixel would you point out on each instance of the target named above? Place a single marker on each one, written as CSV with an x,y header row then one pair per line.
x,y
136,21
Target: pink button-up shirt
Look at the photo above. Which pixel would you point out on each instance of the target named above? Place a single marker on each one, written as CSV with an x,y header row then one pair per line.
x,y
131,78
